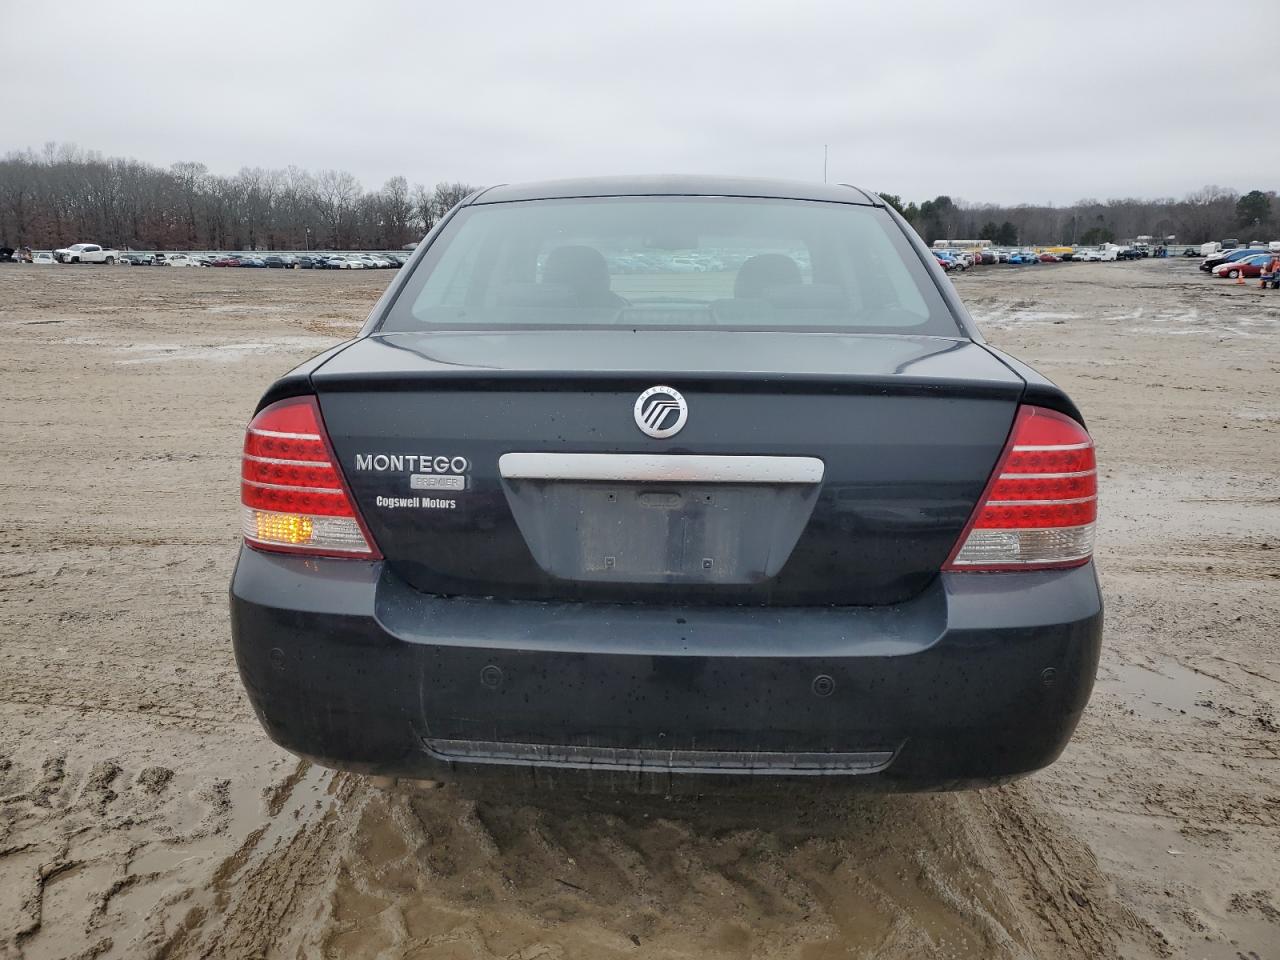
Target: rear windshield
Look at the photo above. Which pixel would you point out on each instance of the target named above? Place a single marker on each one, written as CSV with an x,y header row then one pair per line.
x,y
681,262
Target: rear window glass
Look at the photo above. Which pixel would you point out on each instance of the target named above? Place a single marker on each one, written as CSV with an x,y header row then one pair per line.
x,y
689,263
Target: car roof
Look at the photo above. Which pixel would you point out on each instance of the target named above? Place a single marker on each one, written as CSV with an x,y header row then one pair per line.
x,y
675,185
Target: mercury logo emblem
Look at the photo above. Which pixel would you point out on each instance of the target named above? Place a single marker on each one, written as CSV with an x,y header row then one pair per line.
x,y
661,412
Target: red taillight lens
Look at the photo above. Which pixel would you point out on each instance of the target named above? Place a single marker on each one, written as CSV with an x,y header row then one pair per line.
x,y
292,494
1041,504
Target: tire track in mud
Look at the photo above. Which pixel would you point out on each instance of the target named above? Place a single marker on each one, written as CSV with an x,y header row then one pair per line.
x,y
102,860
461,872
75,847
194,859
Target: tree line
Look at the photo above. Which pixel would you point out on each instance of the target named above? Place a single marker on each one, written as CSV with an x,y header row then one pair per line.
x,y
1212,213
62,194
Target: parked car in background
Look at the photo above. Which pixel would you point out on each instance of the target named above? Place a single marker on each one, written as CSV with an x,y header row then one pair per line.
x,y
137,258
1208,264
1191,252
275,261
1087,256
42,259
1049,258
183,260
86,253
249,260
160,259
224,260
1250,266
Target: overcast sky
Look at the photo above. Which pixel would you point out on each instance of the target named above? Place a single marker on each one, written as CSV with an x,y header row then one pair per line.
x,y
987,100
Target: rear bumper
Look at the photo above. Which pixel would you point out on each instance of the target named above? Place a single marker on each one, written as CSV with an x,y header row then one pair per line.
x,y
980,679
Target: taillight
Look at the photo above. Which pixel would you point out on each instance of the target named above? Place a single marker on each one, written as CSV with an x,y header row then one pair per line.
x,y
1041,504
292,494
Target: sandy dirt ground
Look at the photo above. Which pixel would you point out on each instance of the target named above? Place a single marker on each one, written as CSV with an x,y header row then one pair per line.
x,y
143,814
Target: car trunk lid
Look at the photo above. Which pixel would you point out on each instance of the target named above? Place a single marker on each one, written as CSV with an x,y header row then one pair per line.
x,y
812,469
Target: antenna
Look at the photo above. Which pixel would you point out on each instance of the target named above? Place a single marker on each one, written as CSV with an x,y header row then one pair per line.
x,y
824,163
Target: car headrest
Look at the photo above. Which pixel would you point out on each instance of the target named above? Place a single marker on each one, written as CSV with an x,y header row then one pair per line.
x,y
764,270
582,268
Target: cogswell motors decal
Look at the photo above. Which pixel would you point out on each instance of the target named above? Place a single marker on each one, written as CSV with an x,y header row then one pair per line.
x,y
426,472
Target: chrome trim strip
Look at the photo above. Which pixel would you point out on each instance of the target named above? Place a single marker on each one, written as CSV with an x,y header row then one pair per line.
x,y
1053,446
334,491
1047,476
284,436
660,468
640,760
1014,564
1036,503
288,463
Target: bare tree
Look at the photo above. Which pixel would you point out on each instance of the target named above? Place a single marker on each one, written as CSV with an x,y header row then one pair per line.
x,y
396,212
337,192
61,193
445,197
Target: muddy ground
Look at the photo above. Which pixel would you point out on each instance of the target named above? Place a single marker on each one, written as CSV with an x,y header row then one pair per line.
x,y
143,814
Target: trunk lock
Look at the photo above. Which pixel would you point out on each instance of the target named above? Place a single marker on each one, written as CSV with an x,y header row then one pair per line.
x,y
491,676
823,685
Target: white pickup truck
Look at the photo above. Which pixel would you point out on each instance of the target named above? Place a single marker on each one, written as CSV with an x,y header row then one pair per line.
x,y
85,253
